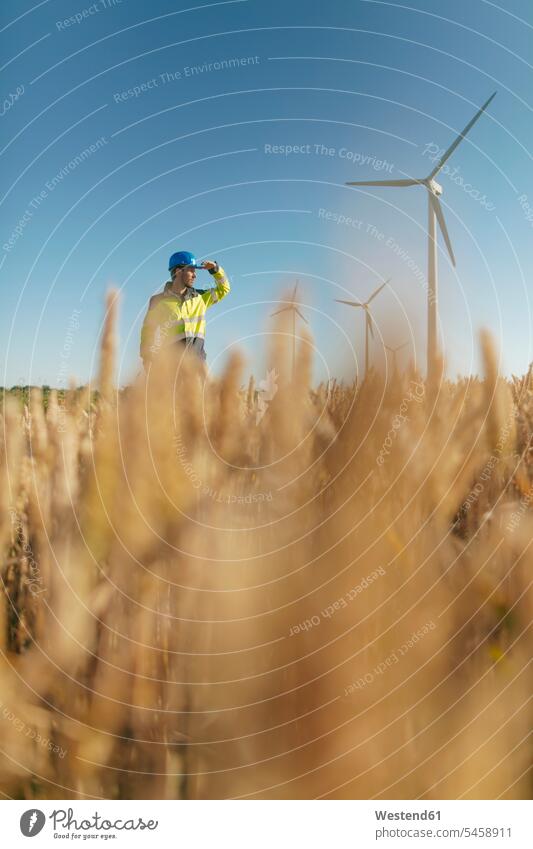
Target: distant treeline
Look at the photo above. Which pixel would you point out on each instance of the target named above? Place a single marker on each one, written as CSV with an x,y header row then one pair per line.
x,y
23,392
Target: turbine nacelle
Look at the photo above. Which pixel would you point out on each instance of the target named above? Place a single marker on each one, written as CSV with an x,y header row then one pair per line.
x,y
434,187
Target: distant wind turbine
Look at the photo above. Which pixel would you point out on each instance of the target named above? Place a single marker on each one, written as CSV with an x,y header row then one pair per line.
x,y
394,352
435,213
369,321
292,307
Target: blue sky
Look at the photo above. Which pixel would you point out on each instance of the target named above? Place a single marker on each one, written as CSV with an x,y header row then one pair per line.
x,y
179,152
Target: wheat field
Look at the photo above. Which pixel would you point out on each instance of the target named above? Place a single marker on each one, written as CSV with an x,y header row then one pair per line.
x,y
324,594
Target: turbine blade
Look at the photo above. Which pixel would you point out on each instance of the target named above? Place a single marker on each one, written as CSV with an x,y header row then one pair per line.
x,y
293,296
371,298
301,316
459,138
385,183
435,202
283,309
350,303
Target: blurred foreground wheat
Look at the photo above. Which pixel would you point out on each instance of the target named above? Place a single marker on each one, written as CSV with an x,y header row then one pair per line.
x,y
210,596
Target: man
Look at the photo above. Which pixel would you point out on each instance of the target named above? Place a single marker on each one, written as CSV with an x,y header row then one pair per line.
x,y
176,316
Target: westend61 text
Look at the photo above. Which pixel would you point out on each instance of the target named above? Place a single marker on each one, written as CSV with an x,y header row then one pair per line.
x,y
407,815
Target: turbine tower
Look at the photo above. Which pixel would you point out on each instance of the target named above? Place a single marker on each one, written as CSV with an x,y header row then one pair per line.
x,y
394,351
369,329
435,213
292,307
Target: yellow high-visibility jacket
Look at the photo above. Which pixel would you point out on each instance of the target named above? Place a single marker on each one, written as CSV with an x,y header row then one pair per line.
x,y
175,318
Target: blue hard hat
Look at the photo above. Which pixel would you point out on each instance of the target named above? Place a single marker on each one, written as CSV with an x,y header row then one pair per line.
x,y
183,258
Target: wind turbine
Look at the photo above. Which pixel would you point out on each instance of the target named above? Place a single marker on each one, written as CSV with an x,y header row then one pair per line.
x,y
369,321
291,307
394,352
435,213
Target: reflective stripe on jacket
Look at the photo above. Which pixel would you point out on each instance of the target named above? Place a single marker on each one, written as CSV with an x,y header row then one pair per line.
x,y
173,318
